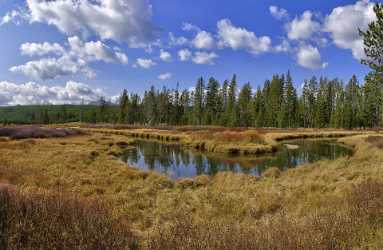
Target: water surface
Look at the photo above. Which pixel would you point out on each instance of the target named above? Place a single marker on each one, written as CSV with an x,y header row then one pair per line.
x,y
177,162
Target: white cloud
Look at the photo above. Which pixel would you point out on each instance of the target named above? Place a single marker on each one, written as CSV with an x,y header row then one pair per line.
x,y
33,93
204,57
70,61
94,51
240,38
118,20
302,27
145,63
184,55
51,68
190,27
41,49
285,46
165,76
177,41
343,24
203,40
13,16
278,13
165,56
309,57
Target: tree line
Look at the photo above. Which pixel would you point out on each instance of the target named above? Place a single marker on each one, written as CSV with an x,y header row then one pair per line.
x,y
321,103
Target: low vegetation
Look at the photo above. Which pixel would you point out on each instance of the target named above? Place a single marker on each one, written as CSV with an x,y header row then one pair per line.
x,y
43,220
327,204
26,132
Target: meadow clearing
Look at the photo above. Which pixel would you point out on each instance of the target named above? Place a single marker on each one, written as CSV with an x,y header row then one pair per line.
x,y
328,204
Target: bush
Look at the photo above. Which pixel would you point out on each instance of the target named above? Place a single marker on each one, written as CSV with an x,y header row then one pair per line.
x,y
59,221
37,132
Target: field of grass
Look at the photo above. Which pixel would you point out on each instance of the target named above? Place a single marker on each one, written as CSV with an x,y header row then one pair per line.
x,y
222,140
326,205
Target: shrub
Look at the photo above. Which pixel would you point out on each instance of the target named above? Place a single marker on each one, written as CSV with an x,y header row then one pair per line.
x,y
37,132
59,221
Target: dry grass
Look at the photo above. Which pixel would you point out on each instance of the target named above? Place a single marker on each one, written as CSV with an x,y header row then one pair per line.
x,y
377,141
58,221
228,207
351,223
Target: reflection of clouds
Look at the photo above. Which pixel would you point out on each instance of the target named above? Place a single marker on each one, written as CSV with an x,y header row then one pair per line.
x,y
176,162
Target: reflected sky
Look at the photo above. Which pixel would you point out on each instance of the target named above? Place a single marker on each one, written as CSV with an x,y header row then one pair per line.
x,y
178,162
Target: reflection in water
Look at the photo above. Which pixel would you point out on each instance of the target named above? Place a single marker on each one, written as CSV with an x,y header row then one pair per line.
x,y
177,162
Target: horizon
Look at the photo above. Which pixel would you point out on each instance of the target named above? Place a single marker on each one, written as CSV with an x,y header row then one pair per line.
x,y
66,53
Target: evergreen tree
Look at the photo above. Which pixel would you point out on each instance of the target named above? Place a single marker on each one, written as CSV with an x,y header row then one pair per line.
x,y
212,101
245,114
231,116
199,101
124,106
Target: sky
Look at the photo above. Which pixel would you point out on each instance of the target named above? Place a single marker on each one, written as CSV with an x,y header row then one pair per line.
x,y
66,51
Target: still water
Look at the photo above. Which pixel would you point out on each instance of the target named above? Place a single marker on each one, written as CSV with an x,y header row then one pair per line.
x,y
178,162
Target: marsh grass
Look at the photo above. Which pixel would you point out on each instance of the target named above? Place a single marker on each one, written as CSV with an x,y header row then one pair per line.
x,y
348,224
59,221
304,208
26,132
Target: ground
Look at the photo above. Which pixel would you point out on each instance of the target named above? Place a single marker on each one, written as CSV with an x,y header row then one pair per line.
x,y
88,165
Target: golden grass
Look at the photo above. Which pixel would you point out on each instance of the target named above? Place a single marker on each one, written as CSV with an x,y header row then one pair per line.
x,y
87,166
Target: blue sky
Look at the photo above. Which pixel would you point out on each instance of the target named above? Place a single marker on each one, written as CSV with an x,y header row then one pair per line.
x,y
60,51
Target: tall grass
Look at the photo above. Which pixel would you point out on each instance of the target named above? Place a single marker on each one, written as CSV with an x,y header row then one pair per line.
x,y
59,221
353,223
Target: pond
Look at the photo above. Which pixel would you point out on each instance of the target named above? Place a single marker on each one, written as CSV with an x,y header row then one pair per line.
x,y
177,162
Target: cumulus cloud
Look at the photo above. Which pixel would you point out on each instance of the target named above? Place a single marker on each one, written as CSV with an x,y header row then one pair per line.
x,y
94,51
52,68
70,61
145,63
122,21
13,16
165,56
177,41
343,23
204,57
41,49
278,13
309,57
203,40
240,38
284,46
190,27
165,76
33,93
302,27
184,55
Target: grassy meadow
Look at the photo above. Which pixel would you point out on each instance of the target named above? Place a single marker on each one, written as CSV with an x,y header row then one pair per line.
x,y
325,205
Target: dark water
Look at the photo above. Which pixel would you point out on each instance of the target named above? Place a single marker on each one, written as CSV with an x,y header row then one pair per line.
x,y
178,162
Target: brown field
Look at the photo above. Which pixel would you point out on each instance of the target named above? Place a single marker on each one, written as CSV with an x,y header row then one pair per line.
x,y
326,205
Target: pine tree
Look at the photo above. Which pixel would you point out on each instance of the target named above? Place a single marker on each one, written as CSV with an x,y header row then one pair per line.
x,y
124,106
199,101
245,114
212,100
259,108
231,116
373,42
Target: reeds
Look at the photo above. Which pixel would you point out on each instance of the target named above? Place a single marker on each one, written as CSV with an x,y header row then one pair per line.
x,y
59,221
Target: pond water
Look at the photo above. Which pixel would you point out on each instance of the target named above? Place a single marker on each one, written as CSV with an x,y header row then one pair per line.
x,y
177,162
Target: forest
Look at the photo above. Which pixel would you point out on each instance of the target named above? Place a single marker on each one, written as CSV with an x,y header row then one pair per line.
x,y
323,103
